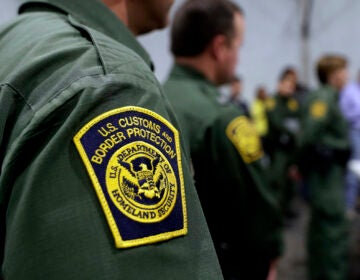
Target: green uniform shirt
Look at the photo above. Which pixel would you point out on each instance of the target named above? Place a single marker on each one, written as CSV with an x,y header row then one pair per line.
x,y
324,132
322,121
226,153
324,150
283,119
94,182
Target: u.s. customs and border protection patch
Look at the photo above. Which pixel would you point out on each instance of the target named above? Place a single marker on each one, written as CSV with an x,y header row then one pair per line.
x,y
133,158
318,109
245,138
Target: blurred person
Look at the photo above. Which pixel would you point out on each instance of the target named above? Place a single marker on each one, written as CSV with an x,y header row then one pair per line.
x,y
259,118
300,90
350,108
324,151
300,93
236,95
283,113
225,148
258,111
94,181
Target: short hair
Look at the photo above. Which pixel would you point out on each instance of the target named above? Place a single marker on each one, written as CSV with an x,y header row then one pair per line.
x,y
328,64
197,22
260,90
288,70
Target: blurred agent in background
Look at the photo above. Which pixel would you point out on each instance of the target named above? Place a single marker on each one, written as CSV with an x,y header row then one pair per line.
x,y
283,113
225,148
300,90
324,152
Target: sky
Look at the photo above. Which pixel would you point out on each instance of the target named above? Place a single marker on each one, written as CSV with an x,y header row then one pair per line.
x,y
272,39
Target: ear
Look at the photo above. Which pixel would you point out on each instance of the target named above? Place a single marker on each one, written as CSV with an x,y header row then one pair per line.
x,y
218,47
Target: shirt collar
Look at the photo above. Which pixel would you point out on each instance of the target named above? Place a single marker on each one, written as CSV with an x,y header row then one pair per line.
x,y
181,70
96,15
187,72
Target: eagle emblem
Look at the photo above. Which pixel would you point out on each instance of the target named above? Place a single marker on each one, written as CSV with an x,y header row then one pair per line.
x,y
141,182
145,175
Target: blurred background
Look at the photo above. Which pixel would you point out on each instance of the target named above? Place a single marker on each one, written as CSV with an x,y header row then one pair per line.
x,y
279,33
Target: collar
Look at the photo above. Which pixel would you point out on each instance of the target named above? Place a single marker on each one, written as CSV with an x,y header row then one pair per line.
x,y
330,91
283,98
96,15
185,71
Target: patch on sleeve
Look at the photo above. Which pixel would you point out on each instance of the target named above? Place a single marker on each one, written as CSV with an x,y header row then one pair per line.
x,y
318,109
133,158
293,105
245,138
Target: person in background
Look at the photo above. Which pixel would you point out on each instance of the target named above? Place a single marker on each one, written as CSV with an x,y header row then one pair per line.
x,y
236,95
283,114
95,182
301,90
350,108
258,111
323,154
225,148
258,114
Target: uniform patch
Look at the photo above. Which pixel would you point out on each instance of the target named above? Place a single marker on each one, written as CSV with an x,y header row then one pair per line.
x,y
133,158
270,103
245,138
318,109
293,105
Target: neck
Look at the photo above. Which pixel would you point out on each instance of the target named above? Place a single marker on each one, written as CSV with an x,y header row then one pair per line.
x,y
335,86
119,8
201,64
137,18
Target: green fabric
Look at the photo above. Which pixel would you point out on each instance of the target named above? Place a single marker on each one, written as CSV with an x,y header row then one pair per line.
x,y
58,72
239,205
97,16
329,130
322,136
283,121
328,228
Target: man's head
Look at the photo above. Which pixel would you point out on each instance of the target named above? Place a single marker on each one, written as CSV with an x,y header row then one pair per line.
x,y
286,84
213,29
141,16
290,72
261,93
332,70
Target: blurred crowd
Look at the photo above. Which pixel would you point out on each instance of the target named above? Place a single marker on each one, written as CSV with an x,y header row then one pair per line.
x,y
311,137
